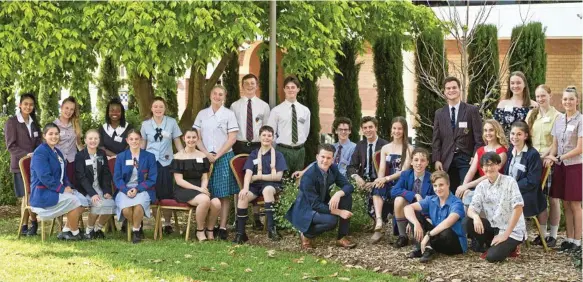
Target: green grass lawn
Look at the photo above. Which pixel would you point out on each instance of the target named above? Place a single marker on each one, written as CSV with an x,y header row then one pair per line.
x,y
171,259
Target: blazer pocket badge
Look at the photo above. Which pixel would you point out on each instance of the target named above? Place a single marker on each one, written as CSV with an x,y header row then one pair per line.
x,y
466,131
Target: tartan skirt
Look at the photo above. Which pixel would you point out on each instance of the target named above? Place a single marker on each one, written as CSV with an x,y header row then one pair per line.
x,y
222,182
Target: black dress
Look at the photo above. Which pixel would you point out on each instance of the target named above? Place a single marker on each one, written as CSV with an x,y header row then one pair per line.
x,y
192,171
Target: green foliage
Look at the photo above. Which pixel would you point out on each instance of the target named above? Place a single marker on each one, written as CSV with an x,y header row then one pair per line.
x,y
108,84
529,55
388,69
231,80
89,121
7,196
431,69
7,97
308,97
48,100
167,88
286,198
347,101
80,90
484,88
133,118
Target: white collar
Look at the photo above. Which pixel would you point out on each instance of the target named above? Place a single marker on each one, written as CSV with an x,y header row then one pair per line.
x,y
456,106
119,130
247,99
373,142
20,119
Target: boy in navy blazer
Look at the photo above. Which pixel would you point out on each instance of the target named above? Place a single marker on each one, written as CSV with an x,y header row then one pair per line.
x,y
315,211
413,186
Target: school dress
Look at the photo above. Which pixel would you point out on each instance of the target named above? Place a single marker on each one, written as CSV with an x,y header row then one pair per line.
x,y
94,178
139,173
159,142
48,182
568,175
192,171
112,139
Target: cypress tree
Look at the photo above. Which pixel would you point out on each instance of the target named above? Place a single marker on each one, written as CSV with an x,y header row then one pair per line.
x,y
388,69
7,97
347,101
108,84
483,68
231,80
430,71
167,88
308,97
529,55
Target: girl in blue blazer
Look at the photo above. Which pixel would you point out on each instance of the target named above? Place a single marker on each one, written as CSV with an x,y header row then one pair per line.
x,y
135,175
51,192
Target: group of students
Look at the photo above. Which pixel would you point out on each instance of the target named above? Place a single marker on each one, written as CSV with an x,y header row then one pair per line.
x,y
508,188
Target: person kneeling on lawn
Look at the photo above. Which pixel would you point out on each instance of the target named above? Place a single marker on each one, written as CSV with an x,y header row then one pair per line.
x,y
263,171
315,211
499,198
413,186
445,233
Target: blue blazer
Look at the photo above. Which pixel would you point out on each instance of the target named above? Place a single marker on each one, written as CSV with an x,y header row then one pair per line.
x,y
45,176
314,195
529,181
404,187
147,172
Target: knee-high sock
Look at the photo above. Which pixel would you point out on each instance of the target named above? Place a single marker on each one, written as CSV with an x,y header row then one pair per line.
x,y
269,211
241,220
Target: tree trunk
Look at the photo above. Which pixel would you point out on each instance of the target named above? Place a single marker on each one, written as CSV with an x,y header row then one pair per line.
x,y
144,93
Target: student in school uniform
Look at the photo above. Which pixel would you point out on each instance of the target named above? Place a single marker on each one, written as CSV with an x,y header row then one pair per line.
x,y
22,135
94,181
70,127
291,122
135,176
263,171
413,186
113,133
51,192
159,132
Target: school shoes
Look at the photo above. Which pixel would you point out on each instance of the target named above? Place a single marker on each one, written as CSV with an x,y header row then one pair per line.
x,y
136,237
168,230
61,235
24,229
551,241
427,255
537,241
345,243
273,235
240,238
306,242
32,229
222,234
258,225
68,236
99,234
416,253
89,236
566,246
402,242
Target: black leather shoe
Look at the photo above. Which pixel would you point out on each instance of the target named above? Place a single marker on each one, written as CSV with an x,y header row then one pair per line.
x,y
477,247
167,230
99,234
551,242
402,242
273,235
427,255
124,226
258,225
537,241
223,234
24,230
566,246
240,238
142,229
32,229
416,253
61,235
89,236
68,236
136,237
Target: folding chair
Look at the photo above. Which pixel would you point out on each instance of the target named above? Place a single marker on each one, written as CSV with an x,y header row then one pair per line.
x,y
545,176
237,164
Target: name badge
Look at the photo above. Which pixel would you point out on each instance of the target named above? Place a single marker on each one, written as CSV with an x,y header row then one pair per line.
x,y
35,134
255,161
463,124
199,160
546,119
508,109
570,127
88,162
130,162
165,134
117,139
520,167
301,120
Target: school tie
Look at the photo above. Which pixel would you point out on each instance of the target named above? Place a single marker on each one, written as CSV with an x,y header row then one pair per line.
x,y
417,186
453,118
294,125
338,154
249,130
158,134
370,168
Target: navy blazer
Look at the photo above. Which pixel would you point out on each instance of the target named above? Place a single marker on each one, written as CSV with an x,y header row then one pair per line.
x,y
314,195
45,176
147,172
84,173
404,187
529,181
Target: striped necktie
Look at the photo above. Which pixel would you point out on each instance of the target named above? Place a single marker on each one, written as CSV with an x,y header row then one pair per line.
x,y
249,128
294,125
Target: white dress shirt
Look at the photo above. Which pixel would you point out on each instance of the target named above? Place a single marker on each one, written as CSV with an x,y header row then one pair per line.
x,y
260,116
281,121
215,127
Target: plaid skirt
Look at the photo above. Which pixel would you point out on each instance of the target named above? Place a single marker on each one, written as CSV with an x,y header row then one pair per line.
x,y
222,182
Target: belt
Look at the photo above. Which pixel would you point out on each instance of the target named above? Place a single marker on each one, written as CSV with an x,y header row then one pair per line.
x,y
291,147
248,144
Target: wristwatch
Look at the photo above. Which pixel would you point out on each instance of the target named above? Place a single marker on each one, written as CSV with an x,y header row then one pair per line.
x,y
559,158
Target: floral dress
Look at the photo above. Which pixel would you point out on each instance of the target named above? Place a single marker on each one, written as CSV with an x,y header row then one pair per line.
x,y
393,165
507,115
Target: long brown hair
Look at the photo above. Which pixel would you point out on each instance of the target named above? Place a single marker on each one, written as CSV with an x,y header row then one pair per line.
x,y
500,136
75,117
405,140
536,110
525,91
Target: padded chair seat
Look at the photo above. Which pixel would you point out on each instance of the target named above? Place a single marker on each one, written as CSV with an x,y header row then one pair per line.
x,y
172,203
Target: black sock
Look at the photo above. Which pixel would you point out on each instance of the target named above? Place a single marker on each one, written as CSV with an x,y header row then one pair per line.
x,y
241,220
269,214
257,217
34,223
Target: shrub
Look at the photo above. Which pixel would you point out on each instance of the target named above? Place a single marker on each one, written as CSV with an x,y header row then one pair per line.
x,y
7,196
133,118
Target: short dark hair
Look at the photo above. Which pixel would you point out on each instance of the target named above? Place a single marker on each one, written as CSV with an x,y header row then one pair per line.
x,y
420,150
440,174
249,76
490,157
291,79
450,79
122,119
49,126
342,120
369,118
134,131
326,147
266,128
